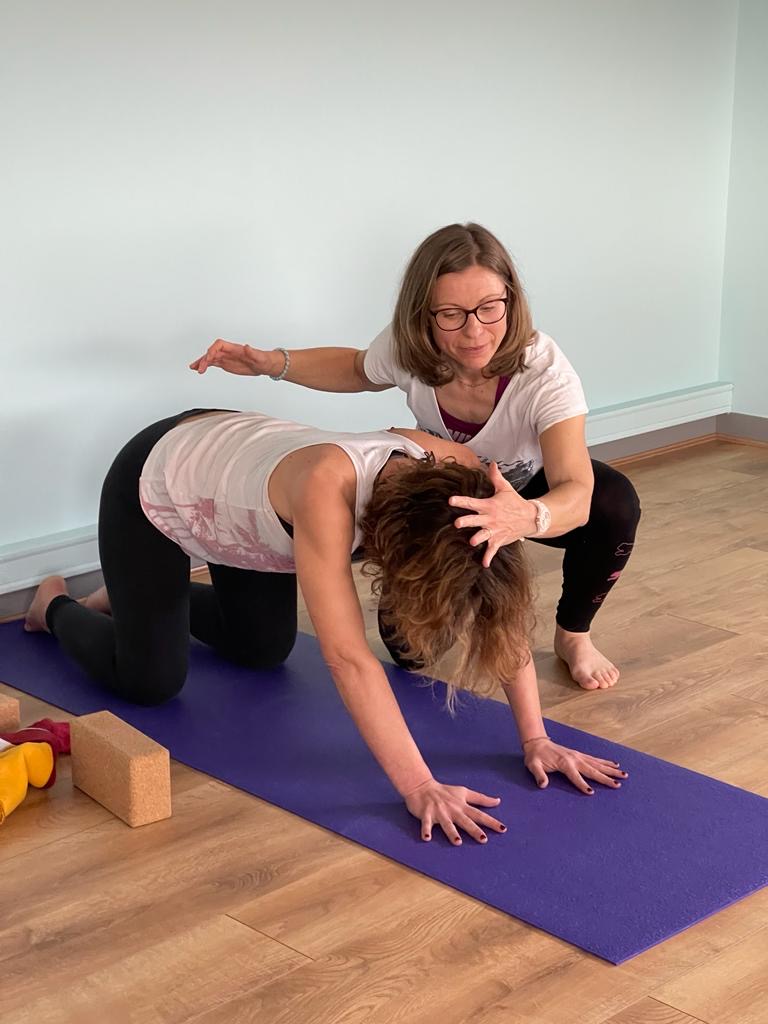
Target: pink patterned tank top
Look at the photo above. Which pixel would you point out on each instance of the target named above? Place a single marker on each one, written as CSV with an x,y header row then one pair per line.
x,y
205,484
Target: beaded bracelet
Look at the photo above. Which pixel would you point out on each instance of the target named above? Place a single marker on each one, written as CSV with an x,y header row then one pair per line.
x,y
535,738
287,358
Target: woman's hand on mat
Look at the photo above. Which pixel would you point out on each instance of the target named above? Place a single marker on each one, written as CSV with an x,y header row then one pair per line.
x,y
543,756
502,519
451,808
240,359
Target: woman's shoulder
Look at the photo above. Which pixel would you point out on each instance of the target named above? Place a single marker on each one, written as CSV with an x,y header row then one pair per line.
x,y
441,447
545,358
543,346
381,366
311,479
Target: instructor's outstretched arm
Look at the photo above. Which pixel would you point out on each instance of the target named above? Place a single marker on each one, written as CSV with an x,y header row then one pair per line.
x,y
322,369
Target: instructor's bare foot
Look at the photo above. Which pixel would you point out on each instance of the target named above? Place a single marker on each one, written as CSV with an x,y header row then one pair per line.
x,y
52,586
98,601
588,667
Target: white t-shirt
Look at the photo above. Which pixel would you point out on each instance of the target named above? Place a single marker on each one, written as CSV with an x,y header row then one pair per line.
x,y
205,484
546,392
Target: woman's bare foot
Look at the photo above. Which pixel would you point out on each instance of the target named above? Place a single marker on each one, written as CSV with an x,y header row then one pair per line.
x,y
98,601
588,667
52,586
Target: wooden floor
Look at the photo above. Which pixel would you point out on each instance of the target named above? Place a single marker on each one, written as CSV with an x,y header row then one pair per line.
x,y
233,911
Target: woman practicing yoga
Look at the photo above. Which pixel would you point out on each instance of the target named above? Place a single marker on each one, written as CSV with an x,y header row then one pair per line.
x,y
463,348
266,502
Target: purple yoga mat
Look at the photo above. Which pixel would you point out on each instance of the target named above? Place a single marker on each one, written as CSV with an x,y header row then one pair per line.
x,y
613,874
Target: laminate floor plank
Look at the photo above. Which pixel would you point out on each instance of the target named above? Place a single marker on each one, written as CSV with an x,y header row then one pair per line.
x,y
723,736
651,1011
651,698
730,989
168,981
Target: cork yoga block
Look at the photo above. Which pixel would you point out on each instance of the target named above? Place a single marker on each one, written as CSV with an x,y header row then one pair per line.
x,y
121,768
9,714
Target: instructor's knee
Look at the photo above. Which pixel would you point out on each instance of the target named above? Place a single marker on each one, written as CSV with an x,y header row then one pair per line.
x,y
617,502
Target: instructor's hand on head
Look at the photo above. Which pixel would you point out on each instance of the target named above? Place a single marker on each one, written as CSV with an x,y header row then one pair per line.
x,y
241,359
502,519
450,807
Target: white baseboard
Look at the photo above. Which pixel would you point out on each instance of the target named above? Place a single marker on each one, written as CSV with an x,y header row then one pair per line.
x,y
74,552
613,422
70,553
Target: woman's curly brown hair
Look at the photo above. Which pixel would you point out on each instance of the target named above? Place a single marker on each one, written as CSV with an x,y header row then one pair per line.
x,y
434,591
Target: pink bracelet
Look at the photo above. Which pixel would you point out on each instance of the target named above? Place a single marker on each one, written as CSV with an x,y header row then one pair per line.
x,y
535,738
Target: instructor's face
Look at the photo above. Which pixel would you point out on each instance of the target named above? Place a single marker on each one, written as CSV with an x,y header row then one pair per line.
x,y
473,345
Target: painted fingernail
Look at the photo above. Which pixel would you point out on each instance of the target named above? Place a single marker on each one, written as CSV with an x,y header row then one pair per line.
x,y
590,791
457,841
483,839
503,828
625,775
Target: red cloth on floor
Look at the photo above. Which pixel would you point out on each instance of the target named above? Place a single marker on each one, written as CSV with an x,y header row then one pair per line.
x,y
45,731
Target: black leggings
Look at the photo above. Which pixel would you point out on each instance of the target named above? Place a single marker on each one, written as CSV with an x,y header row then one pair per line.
x,y
595,554
141,652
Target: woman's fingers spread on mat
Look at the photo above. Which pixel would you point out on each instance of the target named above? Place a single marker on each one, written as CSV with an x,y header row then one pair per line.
x,y
608,769
571,772
540,776
603,768
560,760
594,773
486,821
601,761
458,821
472,828
568,768
451,832
451,807
548,756
480,798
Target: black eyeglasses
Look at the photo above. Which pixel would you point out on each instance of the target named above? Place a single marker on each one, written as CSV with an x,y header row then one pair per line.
x,y
486,313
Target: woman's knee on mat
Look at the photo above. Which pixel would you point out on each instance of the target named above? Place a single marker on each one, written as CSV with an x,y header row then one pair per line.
x,y
150,688
261,655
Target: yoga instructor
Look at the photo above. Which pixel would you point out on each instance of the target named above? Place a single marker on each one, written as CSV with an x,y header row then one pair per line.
x,y
463,348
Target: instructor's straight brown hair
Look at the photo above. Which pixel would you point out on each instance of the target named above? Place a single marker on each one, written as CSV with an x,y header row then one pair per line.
x,y
447,251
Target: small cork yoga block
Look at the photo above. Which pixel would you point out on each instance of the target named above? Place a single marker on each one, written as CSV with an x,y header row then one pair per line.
x,y
9,714
121,768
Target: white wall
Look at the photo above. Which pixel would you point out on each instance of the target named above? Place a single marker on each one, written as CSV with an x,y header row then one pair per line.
x,y
178,170
745,286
